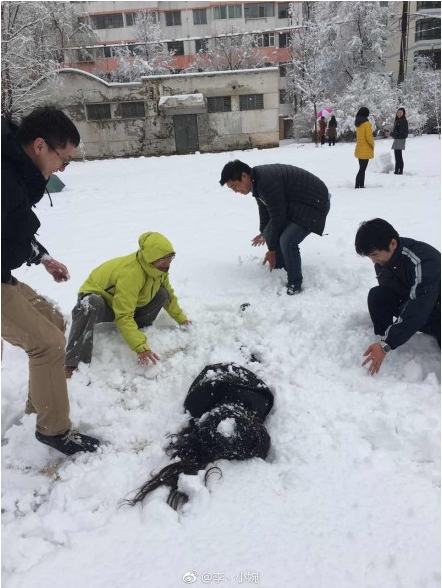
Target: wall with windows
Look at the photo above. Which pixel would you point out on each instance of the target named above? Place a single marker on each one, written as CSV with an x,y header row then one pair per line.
x,y
424,36
239,110
187,24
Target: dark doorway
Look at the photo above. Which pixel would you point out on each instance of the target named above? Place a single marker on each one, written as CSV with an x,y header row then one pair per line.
x,y
186,133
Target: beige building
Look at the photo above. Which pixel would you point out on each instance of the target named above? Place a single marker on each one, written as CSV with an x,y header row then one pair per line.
x,y
416,32
185,29
163,115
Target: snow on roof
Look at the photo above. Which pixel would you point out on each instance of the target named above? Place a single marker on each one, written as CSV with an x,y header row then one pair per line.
x,y
96,78
211,73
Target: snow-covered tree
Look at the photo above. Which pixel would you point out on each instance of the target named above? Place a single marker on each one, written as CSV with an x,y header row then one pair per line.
x,y
305,74
148,56
34,35
355,38
229,51
373,90
420,94
339,51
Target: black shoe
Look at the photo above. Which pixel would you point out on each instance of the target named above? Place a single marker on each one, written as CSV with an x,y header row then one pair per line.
x,y
69,443
293,290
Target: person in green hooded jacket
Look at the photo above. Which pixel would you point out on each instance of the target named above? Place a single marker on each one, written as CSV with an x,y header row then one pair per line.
x,y
129,291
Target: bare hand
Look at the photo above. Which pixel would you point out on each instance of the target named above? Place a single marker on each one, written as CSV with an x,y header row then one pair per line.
x,y
57,270
376,355
145,356
258,240
270,258
186,324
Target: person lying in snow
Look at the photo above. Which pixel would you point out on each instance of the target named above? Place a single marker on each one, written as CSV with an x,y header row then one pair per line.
x,y
228,405
129,291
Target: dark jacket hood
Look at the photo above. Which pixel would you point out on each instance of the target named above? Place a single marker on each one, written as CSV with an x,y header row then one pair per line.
x,y
359,120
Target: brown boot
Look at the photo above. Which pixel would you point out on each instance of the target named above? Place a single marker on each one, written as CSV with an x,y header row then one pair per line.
x,y
69,370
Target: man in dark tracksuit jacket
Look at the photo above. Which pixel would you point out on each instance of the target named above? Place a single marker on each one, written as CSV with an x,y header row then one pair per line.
x,y
292,203
408,273
41,145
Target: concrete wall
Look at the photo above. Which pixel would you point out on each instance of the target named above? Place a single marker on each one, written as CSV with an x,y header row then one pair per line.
x,y
155,134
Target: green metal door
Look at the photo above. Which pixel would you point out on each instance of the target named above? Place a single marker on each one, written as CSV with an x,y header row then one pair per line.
x,y
186,133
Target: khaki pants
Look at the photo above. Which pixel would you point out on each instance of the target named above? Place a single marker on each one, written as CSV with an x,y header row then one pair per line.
x,y
36,326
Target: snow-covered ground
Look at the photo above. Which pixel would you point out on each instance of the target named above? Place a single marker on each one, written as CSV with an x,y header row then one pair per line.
x,y
349,497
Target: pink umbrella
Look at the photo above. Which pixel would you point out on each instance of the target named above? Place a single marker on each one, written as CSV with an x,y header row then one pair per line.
x,y
324,112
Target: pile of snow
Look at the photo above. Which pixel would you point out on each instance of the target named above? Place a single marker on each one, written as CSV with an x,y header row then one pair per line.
x,y
349,496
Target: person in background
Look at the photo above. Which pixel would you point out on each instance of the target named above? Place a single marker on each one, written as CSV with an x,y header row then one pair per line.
x,y
129,291
399,134
331,130
228,405
364,149
322,129
42,144
407,298
292,203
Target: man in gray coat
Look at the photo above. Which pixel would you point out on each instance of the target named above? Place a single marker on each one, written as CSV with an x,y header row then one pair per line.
x,y
292,203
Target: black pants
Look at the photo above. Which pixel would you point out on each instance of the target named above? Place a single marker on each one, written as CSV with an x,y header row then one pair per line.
x,y
330,140
322,139
399,162
360,178
384,305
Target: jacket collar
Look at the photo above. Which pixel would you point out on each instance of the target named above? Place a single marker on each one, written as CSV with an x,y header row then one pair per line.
x,y
14,154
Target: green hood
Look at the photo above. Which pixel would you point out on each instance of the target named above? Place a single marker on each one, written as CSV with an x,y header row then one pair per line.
x,y
153,246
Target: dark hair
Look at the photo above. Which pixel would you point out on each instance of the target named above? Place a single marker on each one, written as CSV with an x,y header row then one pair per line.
x,y
50,124
403,110
228,431
363,111
375,234
233,171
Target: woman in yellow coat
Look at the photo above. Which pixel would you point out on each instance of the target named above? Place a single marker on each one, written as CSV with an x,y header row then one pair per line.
x,y
364,150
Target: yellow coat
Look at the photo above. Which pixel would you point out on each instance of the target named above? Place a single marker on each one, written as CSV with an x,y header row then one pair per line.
x,y
129,282
364,141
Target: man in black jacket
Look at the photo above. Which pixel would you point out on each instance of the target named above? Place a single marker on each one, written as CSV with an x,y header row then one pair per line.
x,y
42,144
408,273
292,203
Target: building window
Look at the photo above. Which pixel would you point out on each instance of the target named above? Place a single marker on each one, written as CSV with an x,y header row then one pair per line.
x,y
284,40
259,10
132,110
431,54
201,45
176,47
251,102
130,18
265,40
173,18
108,51
283,96
199,16
98,111
219,104
283,9
107,21
427,29
283,70
427,5
227,11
